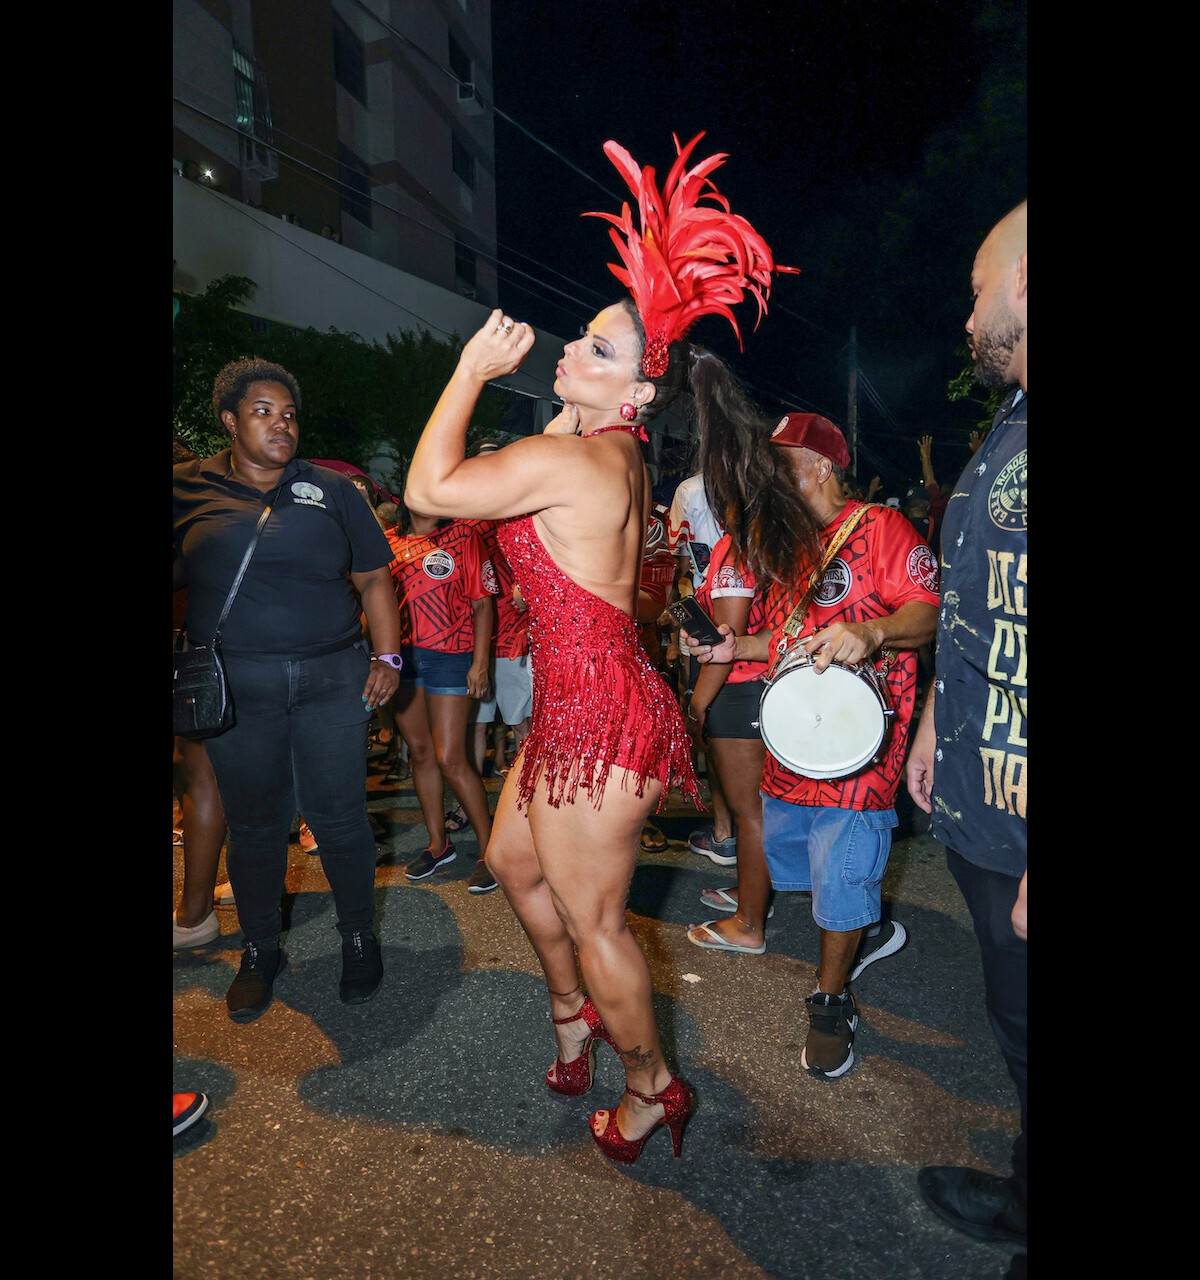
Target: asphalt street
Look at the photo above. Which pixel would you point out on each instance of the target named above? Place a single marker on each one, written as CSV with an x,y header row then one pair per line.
x,y
413,1138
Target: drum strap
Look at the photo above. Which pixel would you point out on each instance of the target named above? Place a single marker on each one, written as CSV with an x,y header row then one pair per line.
x,y
794,625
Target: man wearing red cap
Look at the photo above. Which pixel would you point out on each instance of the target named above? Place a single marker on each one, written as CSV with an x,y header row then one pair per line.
x,y
873,602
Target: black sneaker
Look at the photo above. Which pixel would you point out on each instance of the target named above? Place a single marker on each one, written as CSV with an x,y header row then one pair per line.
x,y
829,1050
362,968
427,862
979,1204
482,880
888,937
251,992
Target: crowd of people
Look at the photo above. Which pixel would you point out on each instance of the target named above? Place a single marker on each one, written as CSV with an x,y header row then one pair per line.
x,y
524,589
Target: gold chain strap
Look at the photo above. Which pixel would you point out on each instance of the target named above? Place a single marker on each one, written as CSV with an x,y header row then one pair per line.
x,y
793,626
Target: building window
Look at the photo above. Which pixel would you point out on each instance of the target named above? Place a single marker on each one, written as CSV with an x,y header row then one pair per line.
x,y
462,161
354,183
250,91
460,62
465,278
349,65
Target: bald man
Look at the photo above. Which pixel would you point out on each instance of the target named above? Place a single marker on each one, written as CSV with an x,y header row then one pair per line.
x,y
967,766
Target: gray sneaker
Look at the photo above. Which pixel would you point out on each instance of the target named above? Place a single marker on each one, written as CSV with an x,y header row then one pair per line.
x,y
722,852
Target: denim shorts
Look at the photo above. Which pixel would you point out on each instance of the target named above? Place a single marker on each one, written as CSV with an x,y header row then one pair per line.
x,y
434,671
839,855
511,692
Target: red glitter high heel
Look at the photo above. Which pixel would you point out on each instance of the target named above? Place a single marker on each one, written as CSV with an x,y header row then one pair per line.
x,y
575,1077
678,1102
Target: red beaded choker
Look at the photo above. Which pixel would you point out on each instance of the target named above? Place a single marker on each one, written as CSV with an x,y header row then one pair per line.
x,y
632,427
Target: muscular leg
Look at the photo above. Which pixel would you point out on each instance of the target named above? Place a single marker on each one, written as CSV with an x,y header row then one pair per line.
x,y
448,713
740,762
513,860
589,895
412,719
203,831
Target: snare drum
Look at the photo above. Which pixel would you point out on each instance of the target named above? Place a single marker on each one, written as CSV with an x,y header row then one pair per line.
x,y
826,724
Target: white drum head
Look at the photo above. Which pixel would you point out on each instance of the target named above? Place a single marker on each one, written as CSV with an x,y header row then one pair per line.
x,y
821,725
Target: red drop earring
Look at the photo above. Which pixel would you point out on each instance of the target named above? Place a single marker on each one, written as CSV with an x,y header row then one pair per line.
x,y
628,411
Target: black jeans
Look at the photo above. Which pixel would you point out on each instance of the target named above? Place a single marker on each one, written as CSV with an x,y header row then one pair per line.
x,y
990,897
298,743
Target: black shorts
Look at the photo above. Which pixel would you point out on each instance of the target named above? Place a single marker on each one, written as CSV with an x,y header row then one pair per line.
x,y
733,713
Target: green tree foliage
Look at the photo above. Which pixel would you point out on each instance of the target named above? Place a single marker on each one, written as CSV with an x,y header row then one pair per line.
x,y
963,386
360,398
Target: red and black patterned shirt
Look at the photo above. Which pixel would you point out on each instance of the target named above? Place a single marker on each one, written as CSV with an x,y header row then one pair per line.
x,y
881,567
437,577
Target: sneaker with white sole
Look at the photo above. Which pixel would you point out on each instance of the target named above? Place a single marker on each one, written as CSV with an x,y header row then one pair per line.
x,y
208,930
223,895
829,1050
427,862
722,852
888,938
188,1108
481,879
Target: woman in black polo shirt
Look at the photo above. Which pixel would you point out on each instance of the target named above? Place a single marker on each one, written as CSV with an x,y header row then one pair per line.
x,y
301,676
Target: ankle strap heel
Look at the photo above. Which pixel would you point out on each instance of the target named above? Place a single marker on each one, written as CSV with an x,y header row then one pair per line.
x,y
575,1077
677,1101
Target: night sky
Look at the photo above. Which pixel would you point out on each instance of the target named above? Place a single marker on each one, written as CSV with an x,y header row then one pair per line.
x,y
872,145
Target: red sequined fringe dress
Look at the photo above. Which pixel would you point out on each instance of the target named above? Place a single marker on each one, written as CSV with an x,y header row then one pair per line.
x,y
597,701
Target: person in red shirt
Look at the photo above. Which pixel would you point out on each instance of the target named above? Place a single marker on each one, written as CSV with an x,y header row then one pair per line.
x,y
511,683
447,615
827,826
724,709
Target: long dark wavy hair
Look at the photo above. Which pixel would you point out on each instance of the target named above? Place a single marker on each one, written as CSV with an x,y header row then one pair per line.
x,y
747,482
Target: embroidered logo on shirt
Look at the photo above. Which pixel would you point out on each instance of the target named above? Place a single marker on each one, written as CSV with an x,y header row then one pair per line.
x,y
490,581
308,495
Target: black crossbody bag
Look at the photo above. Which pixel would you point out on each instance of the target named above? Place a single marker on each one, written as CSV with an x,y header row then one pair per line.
x,y
201,703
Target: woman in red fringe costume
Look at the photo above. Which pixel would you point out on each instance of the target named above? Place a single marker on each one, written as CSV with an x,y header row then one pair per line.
x,y
608,740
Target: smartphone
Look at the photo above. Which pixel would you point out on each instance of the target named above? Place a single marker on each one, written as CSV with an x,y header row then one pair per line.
x,y
695,621
701,554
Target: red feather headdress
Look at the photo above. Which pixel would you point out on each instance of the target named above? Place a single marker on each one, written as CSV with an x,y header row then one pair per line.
x,y
689,260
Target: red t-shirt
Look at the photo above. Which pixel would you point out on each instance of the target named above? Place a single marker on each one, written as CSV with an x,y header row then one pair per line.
x,y
724,578
882,565
437,577
510,637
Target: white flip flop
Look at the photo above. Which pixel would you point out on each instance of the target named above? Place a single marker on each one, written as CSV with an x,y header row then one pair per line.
x,y
719,944
721,901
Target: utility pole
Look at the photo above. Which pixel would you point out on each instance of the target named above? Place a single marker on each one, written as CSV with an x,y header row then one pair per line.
x,y
852,401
